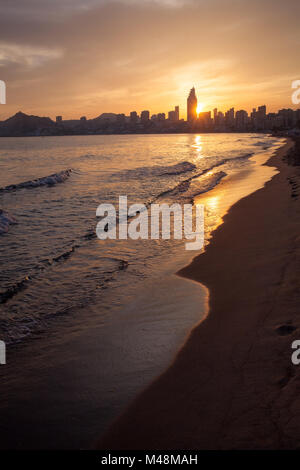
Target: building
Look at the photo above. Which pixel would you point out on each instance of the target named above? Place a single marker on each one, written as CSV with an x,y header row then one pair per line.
x,y
161,117
229,118
262,110
241,120
59,119
133,117
205,121
192,106
216,115
145,116
172,116
288,117
261,118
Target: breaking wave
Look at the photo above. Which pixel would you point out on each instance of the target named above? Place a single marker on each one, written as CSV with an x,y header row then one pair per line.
x,y
50,180
156,171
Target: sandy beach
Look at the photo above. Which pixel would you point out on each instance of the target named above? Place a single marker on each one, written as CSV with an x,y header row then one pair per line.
x,y
233,385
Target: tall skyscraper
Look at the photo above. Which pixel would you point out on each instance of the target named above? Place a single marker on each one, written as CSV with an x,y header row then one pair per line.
x,y
192,106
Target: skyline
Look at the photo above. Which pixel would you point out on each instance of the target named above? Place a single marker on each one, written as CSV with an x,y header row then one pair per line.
x,y
259,120
76,58
194,110
152,110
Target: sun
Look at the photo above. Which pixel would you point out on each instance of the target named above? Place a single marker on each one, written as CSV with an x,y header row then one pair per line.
x,y
200,106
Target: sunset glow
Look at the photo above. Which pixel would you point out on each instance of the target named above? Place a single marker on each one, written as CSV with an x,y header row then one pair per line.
x,y
200,107
108,69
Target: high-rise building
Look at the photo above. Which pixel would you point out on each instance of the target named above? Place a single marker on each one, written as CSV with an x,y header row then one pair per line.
x,y
229,117
161,117
192,106
241,120
172,116
221,119
215,115
145,115
261,117
133,117
205,120
262,110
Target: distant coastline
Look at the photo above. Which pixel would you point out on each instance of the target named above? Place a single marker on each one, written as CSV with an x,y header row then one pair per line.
x,y
24,125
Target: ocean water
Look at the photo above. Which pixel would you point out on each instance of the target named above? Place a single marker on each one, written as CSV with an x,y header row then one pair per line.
x,y
52,265
90,323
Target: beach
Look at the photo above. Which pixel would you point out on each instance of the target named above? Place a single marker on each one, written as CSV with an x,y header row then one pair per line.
x,y
233,385
97,324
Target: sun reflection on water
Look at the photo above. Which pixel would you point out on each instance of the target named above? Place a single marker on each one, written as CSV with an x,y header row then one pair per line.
x,y
198,146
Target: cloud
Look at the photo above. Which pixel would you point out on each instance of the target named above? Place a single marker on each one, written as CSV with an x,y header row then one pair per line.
x,y
87,57
26,55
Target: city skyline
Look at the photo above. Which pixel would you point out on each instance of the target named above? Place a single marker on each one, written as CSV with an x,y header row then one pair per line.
x,y
259,120
195,111
5,114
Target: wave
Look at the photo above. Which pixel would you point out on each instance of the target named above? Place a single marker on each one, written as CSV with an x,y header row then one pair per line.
x,y
156,171
49,180
14,289
262,143
17,328
205,184
184,185
188,189
5,221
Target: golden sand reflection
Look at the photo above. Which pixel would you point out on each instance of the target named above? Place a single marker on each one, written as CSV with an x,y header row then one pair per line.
x,y
212,204
213,213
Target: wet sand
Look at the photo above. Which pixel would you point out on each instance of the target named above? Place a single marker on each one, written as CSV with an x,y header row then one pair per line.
x,y
232,385
66,385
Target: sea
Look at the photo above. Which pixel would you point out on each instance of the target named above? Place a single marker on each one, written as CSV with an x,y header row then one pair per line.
x,y
116,306
50,187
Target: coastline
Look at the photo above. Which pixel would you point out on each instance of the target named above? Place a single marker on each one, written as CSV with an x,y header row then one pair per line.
x,y
232,385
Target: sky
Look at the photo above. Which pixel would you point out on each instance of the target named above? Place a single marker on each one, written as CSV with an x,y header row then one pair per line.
x,y
86,57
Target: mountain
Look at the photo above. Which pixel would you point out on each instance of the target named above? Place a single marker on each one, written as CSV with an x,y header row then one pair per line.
x,y
106,117
22,124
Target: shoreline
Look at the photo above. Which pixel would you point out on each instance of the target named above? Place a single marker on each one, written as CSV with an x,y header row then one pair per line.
x,y
244,395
